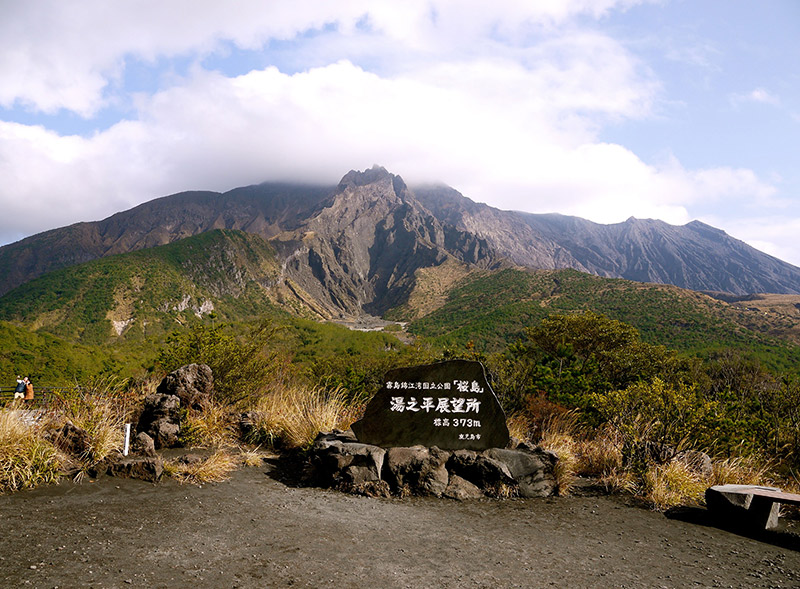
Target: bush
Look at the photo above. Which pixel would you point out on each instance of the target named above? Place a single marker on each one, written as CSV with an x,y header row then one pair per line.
x,y
242,365
657,412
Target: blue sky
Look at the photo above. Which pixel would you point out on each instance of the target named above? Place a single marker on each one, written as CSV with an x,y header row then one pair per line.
x,y
604,109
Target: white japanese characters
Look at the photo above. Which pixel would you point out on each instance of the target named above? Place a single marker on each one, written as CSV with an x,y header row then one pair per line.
x,y
448,404
443,405
461,386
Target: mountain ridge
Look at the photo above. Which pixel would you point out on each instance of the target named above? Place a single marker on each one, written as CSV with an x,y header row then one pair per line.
x,y
356,247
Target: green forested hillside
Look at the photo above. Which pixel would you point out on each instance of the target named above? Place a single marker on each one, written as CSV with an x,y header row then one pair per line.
x,y
143,294
491,309
111,315
47,359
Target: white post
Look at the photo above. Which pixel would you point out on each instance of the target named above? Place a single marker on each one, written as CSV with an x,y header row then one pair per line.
x,y
127,439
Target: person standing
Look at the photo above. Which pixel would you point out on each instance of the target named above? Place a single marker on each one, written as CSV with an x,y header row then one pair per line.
x,y
28,390
19,392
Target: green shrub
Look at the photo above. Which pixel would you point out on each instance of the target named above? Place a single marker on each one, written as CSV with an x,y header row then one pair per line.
x,y
243,365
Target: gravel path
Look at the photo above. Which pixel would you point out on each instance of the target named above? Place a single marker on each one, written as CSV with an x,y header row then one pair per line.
x,y
254,531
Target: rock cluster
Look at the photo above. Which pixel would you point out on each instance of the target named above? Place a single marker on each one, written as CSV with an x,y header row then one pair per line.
x,y
339,461
188,387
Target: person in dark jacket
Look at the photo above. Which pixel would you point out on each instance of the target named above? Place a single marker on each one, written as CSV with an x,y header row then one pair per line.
x,y
19,392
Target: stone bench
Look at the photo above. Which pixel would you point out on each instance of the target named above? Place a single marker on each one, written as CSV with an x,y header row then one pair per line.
x,y
754,506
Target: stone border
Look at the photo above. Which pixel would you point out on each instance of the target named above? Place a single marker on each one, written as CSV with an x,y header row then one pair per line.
x,y
337,460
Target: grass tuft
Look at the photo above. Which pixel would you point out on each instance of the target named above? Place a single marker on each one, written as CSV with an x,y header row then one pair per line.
x,y
559,434
293,416
210,427
26,459
741,470
101,416
673,484
214,469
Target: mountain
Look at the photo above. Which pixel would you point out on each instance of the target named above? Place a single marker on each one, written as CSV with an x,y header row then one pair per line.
x,y
359,247
694,256
490,309
147,293
264,210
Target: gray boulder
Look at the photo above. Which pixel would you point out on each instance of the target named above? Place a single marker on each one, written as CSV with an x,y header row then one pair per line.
x,y
699,462
161,419
533,470
461,489
70,439
147,468
337,460
482,471
143,444
417,470
192,384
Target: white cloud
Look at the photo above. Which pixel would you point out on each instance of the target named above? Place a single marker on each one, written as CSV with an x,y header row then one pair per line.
x,y
758,96
63,55
772,234
483,127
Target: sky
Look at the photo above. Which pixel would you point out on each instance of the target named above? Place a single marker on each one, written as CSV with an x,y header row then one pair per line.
x,y
676,110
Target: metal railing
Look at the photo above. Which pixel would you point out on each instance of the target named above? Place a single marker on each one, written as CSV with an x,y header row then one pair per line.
x,y
42,395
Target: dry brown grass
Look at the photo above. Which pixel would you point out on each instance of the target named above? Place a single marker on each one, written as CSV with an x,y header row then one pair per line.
x,y
254,456
293,416
672,484
560,434
519,427
26,459
214,469
100,415
601,455
210,427
741,470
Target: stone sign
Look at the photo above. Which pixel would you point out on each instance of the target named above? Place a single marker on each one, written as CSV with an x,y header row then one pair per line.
x,y
448,404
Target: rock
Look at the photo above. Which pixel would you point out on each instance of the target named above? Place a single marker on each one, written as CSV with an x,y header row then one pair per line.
x,y
143,444
482,471
247,424
337,461
192,384
148,468
71,439
449,405
190,459
419,470
160,419
699,462
368,489
533,470
461,489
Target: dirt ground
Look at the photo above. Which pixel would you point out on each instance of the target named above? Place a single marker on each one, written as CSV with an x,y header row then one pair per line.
x,y
255,531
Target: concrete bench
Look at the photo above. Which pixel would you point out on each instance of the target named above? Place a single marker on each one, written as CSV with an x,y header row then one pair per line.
x,y
751,505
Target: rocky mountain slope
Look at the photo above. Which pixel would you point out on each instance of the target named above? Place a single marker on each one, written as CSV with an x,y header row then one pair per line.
x,y
695,256
357,247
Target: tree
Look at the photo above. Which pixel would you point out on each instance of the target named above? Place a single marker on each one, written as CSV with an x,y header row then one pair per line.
x,y
570,356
